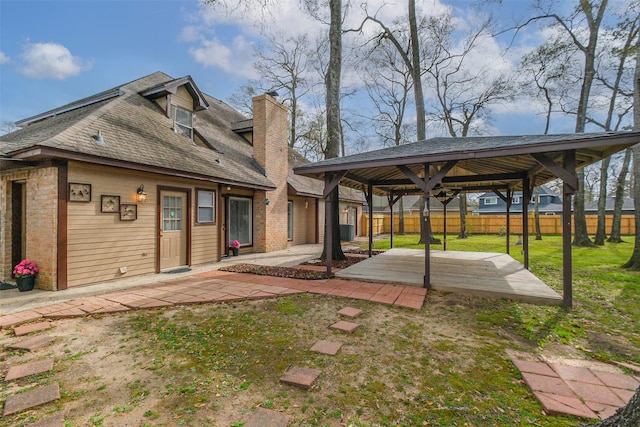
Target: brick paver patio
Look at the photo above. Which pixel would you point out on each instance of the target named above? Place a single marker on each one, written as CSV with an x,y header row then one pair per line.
x,y
576,390
218,286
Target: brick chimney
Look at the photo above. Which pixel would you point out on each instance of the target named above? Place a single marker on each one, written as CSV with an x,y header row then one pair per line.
x,y
270,149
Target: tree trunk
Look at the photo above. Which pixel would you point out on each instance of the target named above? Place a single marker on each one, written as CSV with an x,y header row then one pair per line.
x,y
634,261
627,416
416,75
423,229
615,236
463,217
536,212
334,132
581,236
601,232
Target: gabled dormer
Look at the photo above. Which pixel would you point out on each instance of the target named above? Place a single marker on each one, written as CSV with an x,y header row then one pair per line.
x,y
244,128
180,99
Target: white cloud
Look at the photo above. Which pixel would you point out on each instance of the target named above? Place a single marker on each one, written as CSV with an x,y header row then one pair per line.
x,y
50,61
4,59
234,58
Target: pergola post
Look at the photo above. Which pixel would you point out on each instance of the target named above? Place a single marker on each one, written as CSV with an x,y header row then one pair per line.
x,y
370,203
509,199
444,235
569,164
525,220
390,200
427,242
328,225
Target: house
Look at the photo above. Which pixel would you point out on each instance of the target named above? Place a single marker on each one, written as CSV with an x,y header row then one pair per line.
x,y
628,206
148,177
491,204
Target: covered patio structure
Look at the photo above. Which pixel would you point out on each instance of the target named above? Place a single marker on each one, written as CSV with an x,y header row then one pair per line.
x,y
445,167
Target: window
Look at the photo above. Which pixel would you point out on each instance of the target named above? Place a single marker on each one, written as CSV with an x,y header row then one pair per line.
x,y
171,213
206,207
290,220
515,200
182,121
491,201
241,220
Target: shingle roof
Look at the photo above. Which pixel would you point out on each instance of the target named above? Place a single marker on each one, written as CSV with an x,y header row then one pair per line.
x,y
137,132
627,205
476,163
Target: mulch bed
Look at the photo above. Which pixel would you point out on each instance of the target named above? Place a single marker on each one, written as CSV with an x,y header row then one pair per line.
x,y
300,273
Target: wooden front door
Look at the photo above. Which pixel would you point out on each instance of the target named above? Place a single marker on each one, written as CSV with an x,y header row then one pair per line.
x,y
173,229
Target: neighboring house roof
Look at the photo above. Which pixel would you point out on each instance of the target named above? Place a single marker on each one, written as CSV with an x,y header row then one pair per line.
x,y
628,205
546,207
138,135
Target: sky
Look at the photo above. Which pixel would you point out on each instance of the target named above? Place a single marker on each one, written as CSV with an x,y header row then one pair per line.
x,y
54,52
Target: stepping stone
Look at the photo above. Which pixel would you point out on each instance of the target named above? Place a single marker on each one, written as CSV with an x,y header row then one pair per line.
x,y
301,377
327,347
350,312
32,343
31,368
262,417
343,326
55,421
32,398
32,327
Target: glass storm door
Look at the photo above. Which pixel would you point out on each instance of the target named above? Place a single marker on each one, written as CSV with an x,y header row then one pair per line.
x,y
173,233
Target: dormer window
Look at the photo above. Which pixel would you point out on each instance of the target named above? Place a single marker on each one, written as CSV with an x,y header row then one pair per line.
x,y
182,121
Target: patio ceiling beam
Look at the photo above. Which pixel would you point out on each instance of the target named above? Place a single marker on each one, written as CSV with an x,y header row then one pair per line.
x,y
332,182
427,184
567,175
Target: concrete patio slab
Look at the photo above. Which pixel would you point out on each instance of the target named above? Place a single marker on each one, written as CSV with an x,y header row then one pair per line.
x,y
262,417
486,274
30,399
31,368
301,377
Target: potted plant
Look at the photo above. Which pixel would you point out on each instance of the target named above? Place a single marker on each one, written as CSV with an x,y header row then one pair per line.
x,y
25,272
235,247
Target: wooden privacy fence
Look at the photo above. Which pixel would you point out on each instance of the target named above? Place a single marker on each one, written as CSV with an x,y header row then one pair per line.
x,y
488,224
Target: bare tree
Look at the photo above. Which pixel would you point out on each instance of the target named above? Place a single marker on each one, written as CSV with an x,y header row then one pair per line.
x,y
7,127
634,261
463,93
389,85
284,69
615,236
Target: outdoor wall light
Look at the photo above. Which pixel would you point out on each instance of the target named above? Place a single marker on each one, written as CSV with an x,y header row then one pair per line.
x,y
140,194
267,201
425,212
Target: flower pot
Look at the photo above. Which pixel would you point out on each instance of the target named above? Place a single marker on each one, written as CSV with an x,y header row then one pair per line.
x,y
25,283
236,251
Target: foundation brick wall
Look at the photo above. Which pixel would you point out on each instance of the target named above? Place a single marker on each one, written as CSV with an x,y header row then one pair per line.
x,y
270,147
41,224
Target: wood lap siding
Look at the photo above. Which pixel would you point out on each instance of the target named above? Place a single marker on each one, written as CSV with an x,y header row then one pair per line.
x,y
100,243
205,240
